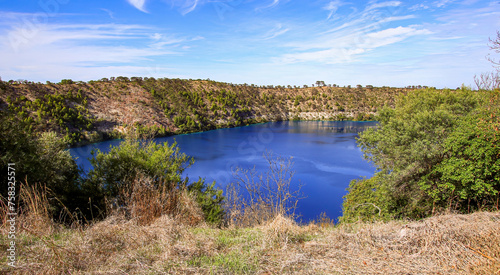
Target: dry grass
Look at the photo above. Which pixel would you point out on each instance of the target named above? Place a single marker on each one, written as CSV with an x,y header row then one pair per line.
x,y
165,240
254,199
144,201
448,244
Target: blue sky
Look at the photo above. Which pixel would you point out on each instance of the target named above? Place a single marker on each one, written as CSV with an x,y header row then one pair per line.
x,y
440,43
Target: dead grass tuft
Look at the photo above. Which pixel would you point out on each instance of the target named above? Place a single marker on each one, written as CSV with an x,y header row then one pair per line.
x,y
145,201
32,207
279,231
35,215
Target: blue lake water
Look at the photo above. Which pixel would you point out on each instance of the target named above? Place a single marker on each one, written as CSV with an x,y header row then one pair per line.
x,y
324,153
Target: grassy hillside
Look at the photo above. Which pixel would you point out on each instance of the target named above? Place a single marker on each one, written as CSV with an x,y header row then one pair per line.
x,y
96,110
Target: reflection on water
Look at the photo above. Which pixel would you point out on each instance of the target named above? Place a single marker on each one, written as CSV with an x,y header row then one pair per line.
x,y
324,153
325,127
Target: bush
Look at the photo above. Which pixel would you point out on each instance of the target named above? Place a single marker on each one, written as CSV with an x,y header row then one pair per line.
x,y
366,200
210,200
161,164
39,159
121,164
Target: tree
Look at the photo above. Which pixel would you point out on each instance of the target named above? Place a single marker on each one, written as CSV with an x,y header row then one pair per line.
x,y
408,145
320,83
490,80
471,171
66,81
495,46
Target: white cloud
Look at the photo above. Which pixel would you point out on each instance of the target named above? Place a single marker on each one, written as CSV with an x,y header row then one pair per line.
x,y
332,7
21,37
55,50
273,4
442,3
383,5
345,48
110,13
164,40
156,36
420,6
335,55
138,4
397,32
391,36
188,6
396,18
276,31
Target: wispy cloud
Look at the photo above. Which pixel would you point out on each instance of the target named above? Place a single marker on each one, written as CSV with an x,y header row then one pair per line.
x,y
188,6
184,6
272,4
345,49
276,31
383,5
161,40
443,3
354,34
332,7
20,37
138,4
391,36
420,6
56,49
110,13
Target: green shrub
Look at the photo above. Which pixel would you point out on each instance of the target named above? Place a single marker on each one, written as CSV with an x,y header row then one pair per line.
x,y
366,200
41,160
209,199
162,163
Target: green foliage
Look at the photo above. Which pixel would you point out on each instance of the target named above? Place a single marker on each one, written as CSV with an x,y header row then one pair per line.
x,y
209,199
65,113
112,170
66,81
162,163
432,154
150,131
367,200
471,171
40,159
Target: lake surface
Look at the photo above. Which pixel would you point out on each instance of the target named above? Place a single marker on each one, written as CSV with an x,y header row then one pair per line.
x,y
324,153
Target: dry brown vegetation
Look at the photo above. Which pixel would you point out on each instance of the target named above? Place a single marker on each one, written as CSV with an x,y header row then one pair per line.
x,y
167,244
255,199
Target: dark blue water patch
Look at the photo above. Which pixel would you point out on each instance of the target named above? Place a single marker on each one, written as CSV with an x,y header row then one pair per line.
x,y
324,154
